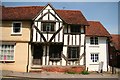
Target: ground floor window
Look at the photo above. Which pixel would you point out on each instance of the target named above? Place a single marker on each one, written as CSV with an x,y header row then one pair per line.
x,y
55,52
73,52
94,57
6,52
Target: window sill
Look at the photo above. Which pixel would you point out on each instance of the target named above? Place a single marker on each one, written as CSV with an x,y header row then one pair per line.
x,y
55,59
73,59
7,61
94,63
97,46
16,34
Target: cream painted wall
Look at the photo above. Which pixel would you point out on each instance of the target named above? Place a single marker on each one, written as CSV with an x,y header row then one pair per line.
x,y
101,49
21,46
7,30
21,58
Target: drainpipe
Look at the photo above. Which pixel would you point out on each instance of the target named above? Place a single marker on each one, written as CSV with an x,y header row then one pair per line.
x,y
28,60
28,46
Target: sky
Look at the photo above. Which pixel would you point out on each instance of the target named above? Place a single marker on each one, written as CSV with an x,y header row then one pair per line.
x,y
105,12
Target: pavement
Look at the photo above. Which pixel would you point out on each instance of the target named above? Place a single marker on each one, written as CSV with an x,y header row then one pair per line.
x,y
56,75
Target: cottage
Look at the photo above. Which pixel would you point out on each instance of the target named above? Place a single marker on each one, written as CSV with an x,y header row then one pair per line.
x,y
40,36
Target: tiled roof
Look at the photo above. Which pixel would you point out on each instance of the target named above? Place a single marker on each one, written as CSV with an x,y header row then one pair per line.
x,y
29,12
116,41
20,13
72,16
96,29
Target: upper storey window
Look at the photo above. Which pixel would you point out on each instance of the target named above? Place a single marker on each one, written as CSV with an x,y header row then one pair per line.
x,y
48,26
75,29
94,40
16,27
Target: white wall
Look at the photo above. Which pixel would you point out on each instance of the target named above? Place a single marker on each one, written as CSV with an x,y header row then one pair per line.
x,y
101,49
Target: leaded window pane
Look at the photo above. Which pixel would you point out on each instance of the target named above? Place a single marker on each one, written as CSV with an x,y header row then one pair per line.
x,y
48,26
6,52
73,52
94,40
94,57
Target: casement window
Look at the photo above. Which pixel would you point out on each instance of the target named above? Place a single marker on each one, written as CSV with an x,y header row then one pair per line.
x,y
55,55
47,27
73,53
94,40
94,57
16,27
6,52
55,52
75,29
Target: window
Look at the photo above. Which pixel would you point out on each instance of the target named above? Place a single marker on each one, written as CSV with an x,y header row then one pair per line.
x,y
55,52
94,57
75,29
48,27
73,52
6,52
94,40
16,27
82,30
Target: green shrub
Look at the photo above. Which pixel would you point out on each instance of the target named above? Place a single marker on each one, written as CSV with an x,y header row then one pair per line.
x,y
85,72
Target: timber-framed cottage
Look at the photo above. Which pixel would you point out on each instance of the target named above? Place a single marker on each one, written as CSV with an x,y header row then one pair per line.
x,y
40,36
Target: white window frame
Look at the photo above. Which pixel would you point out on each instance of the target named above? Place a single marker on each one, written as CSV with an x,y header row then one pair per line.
x,y
94,58
20,28
13,53
94,41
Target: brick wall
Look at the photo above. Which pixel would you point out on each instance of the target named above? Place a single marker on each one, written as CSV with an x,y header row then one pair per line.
x,y
63,69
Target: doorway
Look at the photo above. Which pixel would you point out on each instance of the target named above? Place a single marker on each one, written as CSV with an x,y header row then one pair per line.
x,y
37,54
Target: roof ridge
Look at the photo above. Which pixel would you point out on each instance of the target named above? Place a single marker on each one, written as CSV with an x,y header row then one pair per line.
x,y
67,10
21,6
39,6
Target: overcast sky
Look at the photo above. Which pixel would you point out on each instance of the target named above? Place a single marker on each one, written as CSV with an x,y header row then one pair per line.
x,y
105,12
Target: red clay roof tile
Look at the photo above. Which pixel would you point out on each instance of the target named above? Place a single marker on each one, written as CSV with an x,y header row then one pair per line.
x,y
116,41
72,16
29,12
96,29
20,13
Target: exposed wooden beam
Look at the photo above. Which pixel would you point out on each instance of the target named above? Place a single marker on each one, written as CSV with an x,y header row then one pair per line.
x,y
40,33
55,34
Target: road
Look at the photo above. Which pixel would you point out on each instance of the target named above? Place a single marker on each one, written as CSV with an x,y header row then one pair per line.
x,y
60,79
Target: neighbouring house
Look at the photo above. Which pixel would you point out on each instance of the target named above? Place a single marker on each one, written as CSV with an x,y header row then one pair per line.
x,y
114,53
36,37
97,40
